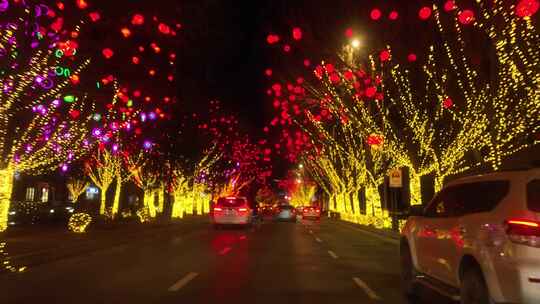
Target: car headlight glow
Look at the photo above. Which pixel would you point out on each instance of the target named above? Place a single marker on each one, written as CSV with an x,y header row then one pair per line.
x,y
12,213
51,211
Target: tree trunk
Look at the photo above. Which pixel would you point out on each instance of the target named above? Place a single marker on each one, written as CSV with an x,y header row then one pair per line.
x,y
6,188
116,202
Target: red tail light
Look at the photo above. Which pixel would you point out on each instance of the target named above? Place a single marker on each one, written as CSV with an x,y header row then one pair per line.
x,y
318,210
523,232
242,209
305,209
218,209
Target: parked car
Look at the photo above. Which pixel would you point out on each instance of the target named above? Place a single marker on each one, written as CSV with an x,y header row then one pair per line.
x,y
232,211
478,240
311,212
285,213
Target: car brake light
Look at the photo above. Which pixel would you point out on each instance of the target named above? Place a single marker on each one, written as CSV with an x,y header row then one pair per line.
x,y
523,232
318,210
218,209
305,209
242,209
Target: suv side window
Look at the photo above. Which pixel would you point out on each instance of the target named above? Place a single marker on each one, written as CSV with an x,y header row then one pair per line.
x,y
482,196
533,195
444,204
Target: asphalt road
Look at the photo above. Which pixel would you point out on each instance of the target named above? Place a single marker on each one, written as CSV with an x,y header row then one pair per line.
x,y
308,262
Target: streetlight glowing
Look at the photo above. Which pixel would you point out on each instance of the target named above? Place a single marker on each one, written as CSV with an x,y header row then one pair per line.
x,y
355,43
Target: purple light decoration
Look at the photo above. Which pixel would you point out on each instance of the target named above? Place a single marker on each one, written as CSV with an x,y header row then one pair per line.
x,y
96,132
86,142
56,103
105,138
115,148
64,167
152,116
147,145
4,5
28,149
128,126
39,79
34,44
143,117
70,156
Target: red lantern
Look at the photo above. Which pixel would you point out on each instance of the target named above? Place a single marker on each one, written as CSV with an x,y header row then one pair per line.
x,y
349,32
375,14
411,57
384,55
527,8
466,17
94,16
74,114
137,19
424,13
307,63
272,39
448,103
297,33
286,48
164,29
268,72
107,53
371,91
394,15
135,60
450,5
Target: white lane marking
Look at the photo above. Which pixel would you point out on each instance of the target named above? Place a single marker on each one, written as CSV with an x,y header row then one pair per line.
x,y
225,250
183,281
366,289
318,240
332,254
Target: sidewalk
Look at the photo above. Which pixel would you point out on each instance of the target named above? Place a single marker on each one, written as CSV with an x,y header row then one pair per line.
x,y
28,246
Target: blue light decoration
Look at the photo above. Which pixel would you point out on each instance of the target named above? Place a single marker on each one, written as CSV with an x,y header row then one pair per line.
x,y
147,145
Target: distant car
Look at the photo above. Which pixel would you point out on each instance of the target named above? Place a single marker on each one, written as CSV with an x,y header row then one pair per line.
x,y
477,241
26,213
285,213
232,211
311,212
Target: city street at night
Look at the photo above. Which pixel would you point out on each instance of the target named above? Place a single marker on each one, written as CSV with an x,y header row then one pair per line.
x,y
270,151
308,262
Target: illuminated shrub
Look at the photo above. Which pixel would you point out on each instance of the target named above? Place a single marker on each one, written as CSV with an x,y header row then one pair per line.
x,y
78,222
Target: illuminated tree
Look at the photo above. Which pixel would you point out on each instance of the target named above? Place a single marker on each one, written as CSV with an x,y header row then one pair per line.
x,y
102,169
42,122
76,188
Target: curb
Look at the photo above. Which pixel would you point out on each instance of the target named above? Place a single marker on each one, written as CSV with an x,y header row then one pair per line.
x,y
386,236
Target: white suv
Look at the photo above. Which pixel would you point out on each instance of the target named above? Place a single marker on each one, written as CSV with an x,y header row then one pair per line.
x,y
478,240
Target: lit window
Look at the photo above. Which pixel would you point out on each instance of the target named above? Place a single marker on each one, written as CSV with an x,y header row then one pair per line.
x,y
30,194
45,195
92,193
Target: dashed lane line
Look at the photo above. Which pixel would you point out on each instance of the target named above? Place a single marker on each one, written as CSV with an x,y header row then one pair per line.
x,y
183,281
332,254
371,294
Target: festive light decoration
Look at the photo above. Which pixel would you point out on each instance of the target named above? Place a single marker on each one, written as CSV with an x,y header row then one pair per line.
x,y
355,141
76,188
424,13
375,14
297,33
527,8
36,134
79,222
102,169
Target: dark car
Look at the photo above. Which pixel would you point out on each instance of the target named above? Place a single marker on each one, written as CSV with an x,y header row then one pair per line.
x,y
285,213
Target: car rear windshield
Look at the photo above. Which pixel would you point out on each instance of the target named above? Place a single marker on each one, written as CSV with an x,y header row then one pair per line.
x,y
231,202
533,195
287,207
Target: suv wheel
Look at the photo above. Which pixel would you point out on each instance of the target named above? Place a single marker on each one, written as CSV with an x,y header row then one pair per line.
x,y
473,288
408,273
